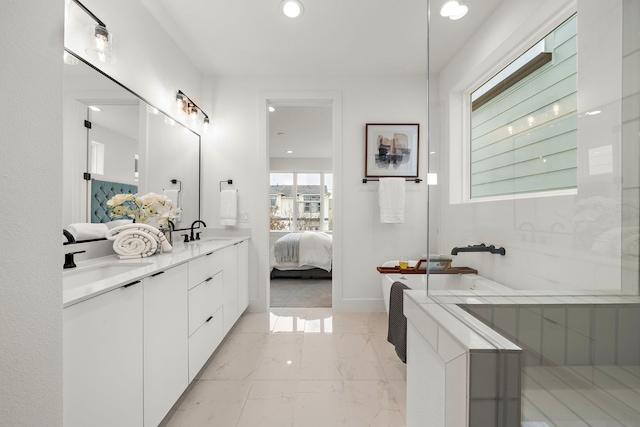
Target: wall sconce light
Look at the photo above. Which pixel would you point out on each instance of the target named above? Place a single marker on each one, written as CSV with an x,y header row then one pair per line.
x,y
292,8
101,44
453,10
100,40
186,106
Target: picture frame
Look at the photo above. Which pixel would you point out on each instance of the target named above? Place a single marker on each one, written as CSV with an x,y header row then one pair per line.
x,y
392,150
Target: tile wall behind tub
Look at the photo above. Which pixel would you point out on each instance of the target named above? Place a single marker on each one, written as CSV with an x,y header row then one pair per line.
x,y
571,335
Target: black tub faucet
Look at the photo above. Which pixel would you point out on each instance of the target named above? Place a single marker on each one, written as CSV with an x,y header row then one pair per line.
x,y
478,248
191,238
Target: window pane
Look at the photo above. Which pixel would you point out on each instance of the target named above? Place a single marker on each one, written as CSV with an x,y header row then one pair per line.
x,y
281,209
524,129
308,201
328,201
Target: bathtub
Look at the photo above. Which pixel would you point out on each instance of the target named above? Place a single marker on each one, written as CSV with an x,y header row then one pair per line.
x,y
449,282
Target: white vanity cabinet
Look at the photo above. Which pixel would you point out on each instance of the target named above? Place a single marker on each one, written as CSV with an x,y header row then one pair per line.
x,y
102,363
130,352
236,283
206,322
166,357
243,276
230,286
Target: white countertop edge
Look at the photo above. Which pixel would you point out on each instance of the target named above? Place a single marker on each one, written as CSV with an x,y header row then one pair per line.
x,y
179,254
470,332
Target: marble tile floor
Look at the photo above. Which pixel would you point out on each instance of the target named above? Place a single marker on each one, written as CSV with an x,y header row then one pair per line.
x,y
581,396
299,367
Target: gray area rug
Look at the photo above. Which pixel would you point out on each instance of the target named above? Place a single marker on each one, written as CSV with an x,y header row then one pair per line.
x,y
300,293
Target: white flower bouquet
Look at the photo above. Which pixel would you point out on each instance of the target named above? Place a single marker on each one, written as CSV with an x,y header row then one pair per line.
x,y
142,209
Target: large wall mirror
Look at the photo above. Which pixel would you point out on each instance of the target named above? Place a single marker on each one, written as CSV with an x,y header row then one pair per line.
x,y
116,142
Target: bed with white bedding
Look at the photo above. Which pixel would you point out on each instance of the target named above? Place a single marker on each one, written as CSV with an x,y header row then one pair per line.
x,y
302,254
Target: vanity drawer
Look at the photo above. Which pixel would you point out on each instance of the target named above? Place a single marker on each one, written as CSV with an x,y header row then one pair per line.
x,y
204,342
204,267
204,300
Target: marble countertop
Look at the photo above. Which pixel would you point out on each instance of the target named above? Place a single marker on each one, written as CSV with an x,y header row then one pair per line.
x,y
179,254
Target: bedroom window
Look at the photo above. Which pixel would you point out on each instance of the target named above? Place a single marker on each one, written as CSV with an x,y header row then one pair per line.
x,y
301,201
524,121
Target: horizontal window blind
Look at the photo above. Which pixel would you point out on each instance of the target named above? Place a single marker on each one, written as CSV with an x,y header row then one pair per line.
x,y
525,139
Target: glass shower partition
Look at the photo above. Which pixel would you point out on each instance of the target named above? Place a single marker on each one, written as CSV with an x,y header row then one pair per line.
x,y
549,172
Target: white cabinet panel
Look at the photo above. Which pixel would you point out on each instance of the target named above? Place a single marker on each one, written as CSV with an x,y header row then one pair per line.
x,y
166,358
230,272
243,276
204,300
102,360
204,341
204,267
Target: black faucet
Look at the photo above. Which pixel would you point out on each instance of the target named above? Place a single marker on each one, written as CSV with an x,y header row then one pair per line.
x,y
69,236
68,259
191,238
479,248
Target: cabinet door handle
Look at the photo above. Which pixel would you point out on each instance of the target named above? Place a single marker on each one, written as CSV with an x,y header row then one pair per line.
x,y
209,254
157,274
131,284
210,317
206,280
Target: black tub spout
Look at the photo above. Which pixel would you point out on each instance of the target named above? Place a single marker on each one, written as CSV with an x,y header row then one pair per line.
x,y
478,248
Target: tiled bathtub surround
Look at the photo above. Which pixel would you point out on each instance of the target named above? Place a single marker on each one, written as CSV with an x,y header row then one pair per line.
x,y
299,367
575,334
582,361
460,372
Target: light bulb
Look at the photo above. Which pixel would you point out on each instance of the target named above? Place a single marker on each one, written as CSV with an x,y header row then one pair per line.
x,y
292,8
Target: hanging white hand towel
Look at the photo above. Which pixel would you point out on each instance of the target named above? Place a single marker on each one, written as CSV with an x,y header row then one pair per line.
x,y
228,207
391,200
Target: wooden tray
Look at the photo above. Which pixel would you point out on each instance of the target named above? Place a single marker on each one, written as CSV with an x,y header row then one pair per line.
x,y
451,270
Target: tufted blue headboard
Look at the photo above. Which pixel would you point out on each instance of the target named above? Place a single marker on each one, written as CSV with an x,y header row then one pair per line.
x,y
101,192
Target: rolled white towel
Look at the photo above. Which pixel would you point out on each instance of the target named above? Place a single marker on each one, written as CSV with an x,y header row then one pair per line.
x,y
87,231
118,223
137,240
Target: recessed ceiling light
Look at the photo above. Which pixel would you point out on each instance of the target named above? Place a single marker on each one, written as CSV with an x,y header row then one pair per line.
x,y
289,152
271,109
453,10
593,113
292,8
94,108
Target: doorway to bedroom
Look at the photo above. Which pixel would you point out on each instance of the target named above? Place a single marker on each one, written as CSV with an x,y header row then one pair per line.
x,y
300,204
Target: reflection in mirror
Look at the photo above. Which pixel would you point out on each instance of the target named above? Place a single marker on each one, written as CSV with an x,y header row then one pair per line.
x,y
114,142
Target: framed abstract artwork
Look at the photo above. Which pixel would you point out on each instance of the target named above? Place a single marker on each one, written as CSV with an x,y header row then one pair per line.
x,y
391,150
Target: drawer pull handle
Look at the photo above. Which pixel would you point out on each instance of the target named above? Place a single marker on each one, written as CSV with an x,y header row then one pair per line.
x,y
210,317
131,284
209,254
206,280
157,274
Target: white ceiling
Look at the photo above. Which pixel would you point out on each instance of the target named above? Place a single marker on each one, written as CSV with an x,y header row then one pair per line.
x,y
332,37
305,130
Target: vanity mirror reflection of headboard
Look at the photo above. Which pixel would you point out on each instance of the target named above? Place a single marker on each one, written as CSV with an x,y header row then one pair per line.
x,y
114,141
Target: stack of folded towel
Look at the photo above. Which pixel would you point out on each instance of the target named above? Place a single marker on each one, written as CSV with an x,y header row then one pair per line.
x,y
137,241
88,231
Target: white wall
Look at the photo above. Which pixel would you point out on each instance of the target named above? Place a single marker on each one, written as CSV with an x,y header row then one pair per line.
x,y
30,181
570,241
148,61
232,151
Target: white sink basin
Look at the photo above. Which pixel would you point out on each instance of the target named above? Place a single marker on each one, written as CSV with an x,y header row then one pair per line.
x,y
210,239
84,275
